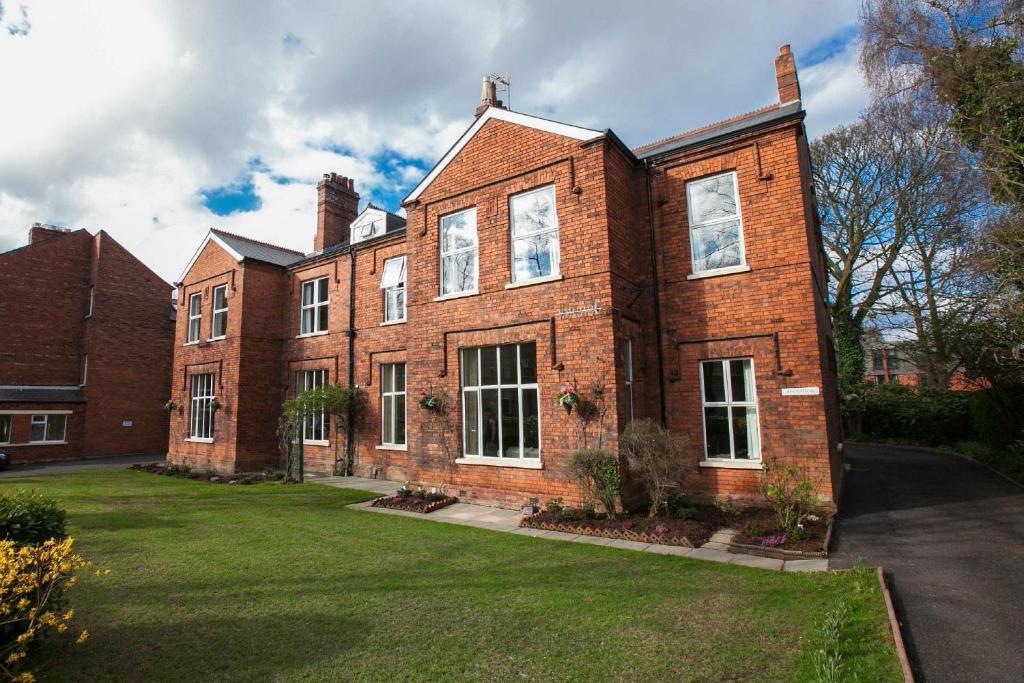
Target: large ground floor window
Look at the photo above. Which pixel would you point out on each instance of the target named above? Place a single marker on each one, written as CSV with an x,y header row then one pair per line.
x,y
730,409
200,424
49,428
314,427
5,428
500,402
392,404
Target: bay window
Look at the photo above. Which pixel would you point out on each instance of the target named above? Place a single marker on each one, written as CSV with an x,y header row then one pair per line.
x,y
730,410
500,402
48,428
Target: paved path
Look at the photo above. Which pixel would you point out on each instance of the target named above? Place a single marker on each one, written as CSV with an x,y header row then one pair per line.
x,y
498,519
35,469
950,536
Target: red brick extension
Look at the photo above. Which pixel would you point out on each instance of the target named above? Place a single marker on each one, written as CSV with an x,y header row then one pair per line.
x,y
612,204
47,332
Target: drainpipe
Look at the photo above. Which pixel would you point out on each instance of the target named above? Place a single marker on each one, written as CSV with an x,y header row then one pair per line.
x,y
657,296
350,429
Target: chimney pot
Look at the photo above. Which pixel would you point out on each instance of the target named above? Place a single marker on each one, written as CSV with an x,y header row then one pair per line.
x,y
488,96
785,76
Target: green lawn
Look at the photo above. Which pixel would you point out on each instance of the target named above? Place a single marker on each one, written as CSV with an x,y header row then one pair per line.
x,y
272,582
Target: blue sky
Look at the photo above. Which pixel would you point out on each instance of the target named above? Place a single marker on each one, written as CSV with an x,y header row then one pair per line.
x,y
159,120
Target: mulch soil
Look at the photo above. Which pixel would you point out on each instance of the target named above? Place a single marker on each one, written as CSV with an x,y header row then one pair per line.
x,y
689,533
755,524
414,504
185,473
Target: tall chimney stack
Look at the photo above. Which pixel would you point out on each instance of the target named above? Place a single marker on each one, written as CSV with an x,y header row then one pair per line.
x,y
488,96
337,206
42,231
785,75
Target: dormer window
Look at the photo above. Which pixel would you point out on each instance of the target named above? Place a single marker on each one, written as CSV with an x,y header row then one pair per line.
x,y
370,223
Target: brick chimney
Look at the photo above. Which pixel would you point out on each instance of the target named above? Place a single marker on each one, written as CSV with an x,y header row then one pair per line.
x,y
337,206
41,231
785,74
488,96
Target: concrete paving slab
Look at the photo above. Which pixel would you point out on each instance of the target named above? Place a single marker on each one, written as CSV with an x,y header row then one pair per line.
x,y
759,562
805,565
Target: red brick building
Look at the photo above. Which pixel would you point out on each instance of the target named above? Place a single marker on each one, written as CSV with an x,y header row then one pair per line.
x,y
683,281
85,349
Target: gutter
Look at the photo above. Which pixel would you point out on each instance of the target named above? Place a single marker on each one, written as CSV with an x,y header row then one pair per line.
x,y
350,428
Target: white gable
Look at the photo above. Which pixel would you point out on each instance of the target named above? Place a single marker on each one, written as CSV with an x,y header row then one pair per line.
x,y
502,115
370,223
210,237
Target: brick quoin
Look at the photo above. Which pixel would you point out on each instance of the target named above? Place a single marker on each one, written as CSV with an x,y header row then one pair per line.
x,y
625,275
48,332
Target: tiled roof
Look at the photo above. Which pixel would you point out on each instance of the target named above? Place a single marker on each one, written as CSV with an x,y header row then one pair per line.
x,y
735,124
21,394
258,251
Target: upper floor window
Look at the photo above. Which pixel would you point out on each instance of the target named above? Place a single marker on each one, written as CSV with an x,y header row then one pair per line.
x,y
5,428
393,284
459,252
201,395
730,409
314,428
534,234
49,428
370,224
716,231
392,404
315,303
220,312
195,316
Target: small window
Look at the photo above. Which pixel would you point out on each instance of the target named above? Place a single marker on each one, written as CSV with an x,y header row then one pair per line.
x,y
459,252
201,410
877,364
500,402
716,231
392,402
730,409
92,300
220,312
5,428
195,316
48,428
627,359
315,305
534,234
370,225
393,284
314,429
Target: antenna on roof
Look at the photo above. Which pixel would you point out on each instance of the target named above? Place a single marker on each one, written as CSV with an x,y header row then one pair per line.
x,y
504,85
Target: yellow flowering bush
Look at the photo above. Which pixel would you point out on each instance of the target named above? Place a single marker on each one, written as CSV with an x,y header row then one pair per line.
x,y
33,580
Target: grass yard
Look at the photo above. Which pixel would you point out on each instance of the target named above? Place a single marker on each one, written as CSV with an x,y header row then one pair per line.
x,y
282,583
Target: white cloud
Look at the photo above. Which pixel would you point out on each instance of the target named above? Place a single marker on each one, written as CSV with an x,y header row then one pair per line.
x,y
118,115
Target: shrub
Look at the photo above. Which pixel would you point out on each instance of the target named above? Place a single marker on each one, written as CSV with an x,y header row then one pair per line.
x,y
598,473
554,506
727,505
791,496
657,459
928,416
29,518
33,582
678,506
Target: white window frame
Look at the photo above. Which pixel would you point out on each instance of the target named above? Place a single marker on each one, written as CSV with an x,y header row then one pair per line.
x,y
44,420
628,362
478,457
742,265
202,393
556,252
195,314
316,306
376,221
755,459
395,297
387,392
475,247
9,421
218,312
312,434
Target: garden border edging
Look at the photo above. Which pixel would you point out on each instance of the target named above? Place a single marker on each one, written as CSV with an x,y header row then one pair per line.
x,y
894,624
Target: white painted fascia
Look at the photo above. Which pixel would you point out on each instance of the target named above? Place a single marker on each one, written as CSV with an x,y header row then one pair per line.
x,y
210,237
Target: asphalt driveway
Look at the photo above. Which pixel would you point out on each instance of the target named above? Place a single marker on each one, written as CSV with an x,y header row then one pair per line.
x,y
66,466
950,536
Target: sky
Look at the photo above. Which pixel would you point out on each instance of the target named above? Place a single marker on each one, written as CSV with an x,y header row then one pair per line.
x,y
158,120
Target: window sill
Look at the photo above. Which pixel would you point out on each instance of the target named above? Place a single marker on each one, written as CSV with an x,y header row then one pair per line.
x,y
391,447
733,464
535,281
388,323
522,463
40,443
221,338
731,270
191,343
316,442
196,439
456,295
312,334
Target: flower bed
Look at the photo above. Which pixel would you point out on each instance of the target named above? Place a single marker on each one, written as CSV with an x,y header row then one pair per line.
x,y
186,473
415,502
689,533
758,533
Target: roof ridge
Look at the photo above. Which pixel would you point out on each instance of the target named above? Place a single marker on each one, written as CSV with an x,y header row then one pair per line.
x,y
686,133
254,241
